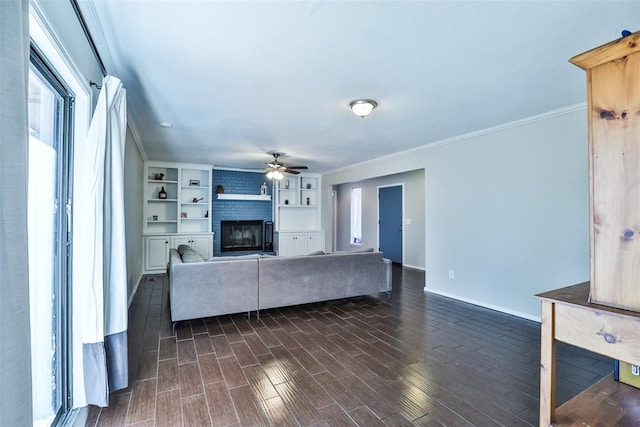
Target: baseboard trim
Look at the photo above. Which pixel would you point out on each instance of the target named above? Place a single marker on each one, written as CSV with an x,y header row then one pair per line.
x,y
133,293
413,267
485,305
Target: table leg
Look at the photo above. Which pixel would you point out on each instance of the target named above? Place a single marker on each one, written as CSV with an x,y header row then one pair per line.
x,y
547,365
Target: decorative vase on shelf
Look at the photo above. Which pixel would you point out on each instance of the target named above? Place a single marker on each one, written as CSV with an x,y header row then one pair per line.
x,y
263,189
307,201
162,194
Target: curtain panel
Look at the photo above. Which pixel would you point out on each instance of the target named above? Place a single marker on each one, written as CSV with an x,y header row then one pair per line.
x,y
99,247
15,360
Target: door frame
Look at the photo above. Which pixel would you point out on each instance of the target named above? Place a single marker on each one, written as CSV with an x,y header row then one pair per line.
x,y
401,185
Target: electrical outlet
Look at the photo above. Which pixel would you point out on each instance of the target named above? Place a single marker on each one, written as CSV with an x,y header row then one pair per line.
x,y
452,274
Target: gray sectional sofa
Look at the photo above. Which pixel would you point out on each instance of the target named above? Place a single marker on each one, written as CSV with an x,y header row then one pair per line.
x,y
226,285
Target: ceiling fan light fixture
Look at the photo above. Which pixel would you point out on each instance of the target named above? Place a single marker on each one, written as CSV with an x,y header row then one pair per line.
x,y
362,107
275,174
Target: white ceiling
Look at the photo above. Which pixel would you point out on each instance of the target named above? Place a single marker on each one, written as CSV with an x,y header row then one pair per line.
x,y
240,79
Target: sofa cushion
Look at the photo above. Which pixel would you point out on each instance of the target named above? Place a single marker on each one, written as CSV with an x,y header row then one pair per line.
x,y
182,248
189,255
316,253
235,258
363,250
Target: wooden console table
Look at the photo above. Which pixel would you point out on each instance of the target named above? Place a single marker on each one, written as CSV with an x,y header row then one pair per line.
x,y
568,316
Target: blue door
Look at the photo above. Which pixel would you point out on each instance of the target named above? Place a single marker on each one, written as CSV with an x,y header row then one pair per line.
x,y
390,225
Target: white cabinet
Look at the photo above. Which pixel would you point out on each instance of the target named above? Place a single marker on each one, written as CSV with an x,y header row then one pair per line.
x,y
297,203
177,207
298,243
315,242
157,248
201,243
156,254
297,215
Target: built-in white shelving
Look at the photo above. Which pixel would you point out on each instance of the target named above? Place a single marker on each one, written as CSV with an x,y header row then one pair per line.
x,y
183,217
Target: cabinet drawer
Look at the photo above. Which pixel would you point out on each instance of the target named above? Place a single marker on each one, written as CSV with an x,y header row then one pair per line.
x,y
611,334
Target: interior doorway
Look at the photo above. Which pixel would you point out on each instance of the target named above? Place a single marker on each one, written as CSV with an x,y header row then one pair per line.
x,y
390,222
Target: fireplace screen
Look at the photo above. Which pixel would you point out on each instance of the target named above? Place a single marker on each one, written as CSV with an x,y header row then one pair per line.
x,y
241,236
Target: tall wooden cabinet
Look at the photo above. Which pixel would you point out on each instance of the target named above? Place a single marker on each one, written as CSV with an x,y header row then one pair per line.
x,y
603,315
177,207
297,215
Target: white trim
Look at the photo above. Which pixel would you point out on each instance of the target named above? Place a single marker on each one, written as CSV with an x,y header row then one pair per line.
x,y
43,35
97,34
131,124
255,197
215,168
135,289
400,184
464,137
485,305
414,267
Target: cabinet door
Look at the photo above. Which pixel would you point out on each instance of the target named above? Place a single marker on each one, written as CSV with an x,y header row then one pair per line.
x,y
180,240
203,245
156,252
315,242
286,244
300,244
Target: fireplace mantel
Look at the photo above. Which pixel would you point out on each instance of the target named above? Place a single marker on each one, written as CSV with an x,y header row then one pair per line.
x,y
255,197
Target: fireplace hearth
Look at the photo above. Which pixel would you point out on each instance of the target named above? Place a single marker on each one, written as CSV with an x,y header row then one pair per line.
x,y
241,235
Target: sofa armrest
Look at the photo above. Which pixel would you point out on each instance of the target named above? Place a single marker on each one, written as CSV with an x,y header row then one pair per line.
x,y
386,272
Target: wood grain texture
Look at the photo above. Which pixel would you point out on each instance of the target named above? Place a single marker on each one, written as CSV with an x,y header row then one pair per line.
x,y
143,401
221,407
607,403
614,109
168,409
547,365
611,51
195,411
607,333
443,361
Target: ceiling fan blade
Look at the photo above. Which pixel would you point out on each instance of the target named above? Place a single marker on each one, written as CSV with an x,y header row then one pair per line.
x,y
287,170
297,167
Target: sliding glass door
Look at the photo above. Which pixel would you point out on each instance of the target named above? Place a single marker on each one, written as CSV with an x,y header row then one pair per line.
x,y
48,239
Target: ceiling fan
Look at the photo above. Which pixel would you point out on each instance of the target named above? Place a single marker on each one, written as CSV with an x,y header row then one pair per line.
x,y
276,168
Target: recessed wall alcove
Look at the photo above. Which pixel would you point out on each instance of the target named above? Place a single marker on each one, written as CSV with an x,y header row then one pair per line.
x,y
238,182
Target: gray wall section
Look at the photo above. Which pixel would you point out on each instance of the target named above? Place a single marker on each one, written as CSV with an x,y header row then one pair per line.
x,y
506,209
414,236
133,196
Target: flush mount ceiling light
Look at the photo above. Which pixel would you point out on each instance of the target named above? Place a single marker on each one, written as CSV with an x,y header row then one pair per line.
x,y
362,107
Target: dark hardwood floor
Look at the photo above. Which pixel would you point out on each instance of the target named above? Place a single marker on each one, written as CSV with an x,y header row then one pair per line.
x,y
416,359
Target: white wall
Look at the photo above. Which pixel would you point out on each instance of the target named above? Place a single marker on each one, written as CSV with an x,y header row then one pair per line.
x,y
507,209
414,236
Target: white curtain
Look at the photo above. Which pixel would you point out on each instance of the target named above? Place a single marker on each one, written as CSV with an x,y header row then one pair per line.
x,y
15,361
99,252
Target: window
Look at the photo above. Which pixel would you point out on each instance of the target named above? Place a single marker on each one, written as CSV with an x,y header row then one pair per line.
x,y
47,225
356,216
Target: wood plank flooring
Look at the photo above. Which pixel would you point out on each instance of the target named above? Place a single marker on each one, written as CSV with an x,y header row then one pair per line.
x,y
414,359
